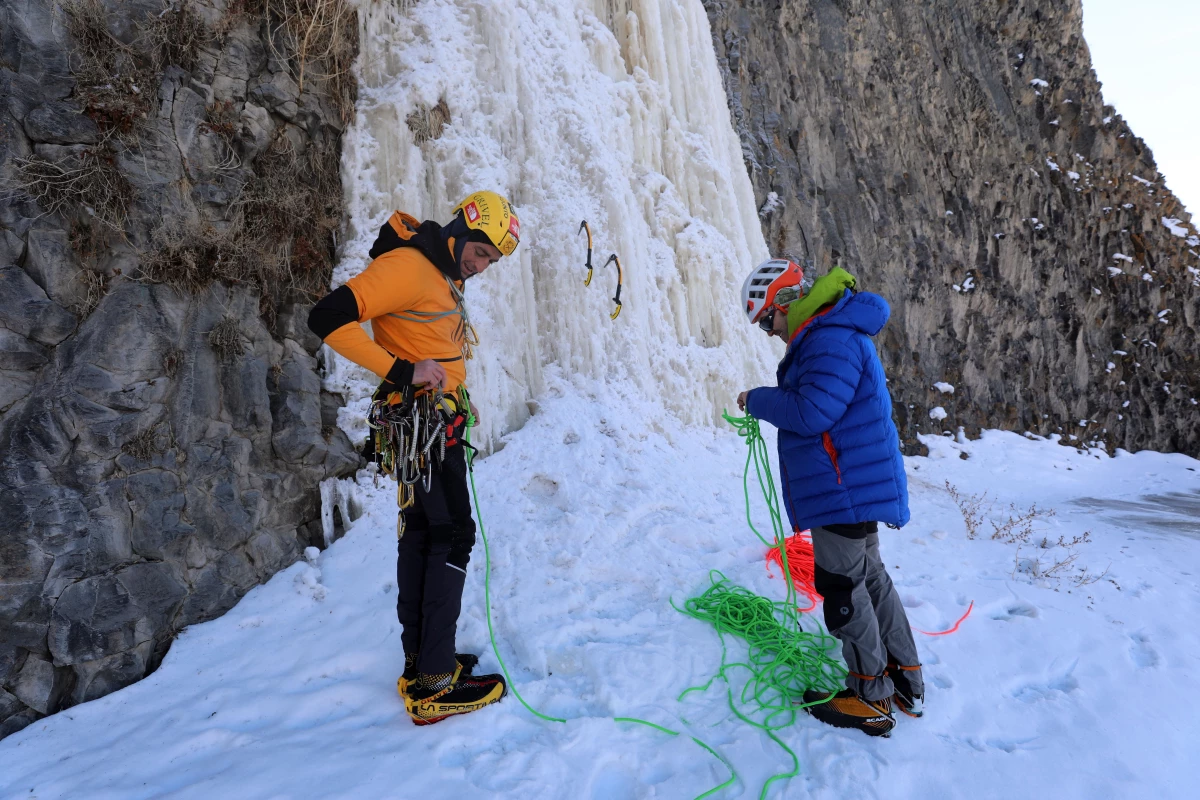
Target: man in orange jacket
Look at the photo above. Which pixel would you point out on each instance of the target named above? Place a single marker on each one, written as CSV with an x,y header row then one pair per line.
x,y
412,293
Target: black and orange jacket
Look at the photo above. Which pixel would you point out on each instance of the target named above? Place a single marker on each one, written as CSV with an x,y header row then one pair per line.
x,y
411,293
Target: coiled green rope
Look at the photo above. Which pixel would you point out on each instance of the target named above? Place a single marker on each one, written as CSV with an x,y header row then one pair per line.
x,y
784,660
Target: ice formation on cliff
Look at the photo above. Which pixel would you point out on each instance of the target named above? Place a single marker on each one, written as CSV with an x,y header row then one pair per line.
x,y
608,111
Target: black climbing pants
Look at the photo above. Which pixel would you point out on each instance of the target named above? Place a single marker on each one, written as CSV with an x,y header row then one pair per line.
x,y
431,566
863,609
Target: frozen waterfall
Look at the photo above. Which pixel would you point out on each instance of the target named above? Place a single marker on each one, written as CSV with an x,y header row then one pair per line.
x,y
607,110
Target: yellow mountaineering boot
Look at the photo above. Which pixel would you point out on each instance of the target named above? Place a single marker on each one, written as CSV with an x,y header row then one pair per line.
x,y
432,698
468,662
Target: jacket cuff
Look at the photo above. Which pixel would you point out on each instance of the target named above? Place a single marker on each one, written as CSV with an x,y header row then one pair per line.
x,y
750,402
401,373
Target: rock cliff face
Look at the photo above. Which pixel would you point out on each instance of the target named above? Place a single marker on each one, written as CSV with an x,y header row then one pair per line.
x,y
171,191
959,158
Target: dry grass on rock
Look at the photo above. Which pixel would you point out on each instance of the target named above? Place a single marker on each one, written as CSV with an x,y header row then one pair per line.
x,y
278,234
427,124
227,340
150,442
88,178
114,86
173,37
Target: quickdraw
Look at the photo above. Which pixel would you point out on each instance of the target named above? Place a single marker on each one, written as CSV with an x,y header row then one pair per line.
x,y
411,436
620,280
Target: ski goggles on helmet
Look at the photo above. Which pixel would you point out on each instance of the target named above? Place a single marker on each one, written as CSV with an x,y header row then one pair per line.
x,y
783,298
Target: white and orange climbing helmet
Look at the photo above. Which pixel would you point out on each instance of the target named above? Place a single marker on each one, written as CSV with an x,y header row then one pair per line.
x,y
772,283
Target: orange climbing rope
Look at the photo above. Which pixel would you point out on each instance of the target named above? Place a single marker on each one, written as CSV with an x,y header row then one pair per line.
x,y
951,629
802,568
800,564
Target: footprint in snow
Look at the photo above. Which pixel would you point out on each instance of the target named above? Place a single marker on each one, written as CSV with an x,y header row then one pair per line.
x,y
1010,609
1142,652
541,487
1051,684
1010,745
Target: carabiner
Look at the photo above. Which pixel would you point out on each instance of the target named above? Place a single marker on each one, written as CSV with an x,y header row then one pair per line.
x,y
620,280
583,226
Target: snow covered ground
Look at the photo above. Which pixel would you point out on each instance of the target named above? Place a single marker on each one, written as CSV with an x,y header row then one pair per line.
x,y
599,511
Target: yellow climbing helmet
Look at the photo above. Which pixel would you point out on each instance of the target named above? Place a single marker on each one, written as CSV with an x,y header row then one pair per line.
x,y
493,216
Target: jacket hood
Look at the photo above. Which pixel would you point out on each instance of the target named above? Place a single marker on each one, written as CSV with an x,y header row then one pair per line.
x,y
442,245
865,312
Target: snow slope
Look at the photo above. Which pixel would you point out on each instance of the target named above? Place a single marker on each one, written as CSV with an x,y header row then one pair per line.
x,y
597,519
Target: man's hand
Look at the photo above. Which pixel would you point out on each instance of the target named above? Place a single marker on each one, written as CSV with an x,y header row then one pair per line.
x,y
474,413
742,400
429,373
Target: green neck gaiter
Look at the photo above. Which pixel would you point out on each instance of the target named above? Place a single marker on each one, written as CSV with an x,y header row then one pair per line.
x,y
828,289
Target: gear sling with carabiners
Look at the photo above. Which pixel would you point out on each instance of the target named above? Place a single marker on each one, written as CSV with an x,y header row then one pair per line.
x,y
410,432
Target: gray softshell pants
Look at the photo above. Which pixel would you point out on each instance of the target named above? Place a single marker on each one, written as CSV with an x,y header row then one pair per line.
x,y
863,610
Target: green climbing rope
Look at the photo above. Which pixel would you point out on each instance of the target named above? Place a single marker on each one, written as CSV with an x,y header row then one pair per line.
x,y
487,604
783,659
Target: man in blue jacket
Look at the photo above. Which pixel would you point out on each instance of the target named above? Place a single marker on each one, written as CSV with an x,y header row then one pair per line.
x,y
843,474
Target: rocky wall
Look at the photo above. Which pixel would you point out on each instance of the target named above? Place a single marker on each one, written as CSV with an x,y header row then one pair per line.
x,y
163,429
960,159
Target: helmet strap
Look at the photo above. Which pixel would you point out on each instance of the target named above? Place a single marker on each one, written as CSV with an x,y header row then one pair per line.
x,y
458,233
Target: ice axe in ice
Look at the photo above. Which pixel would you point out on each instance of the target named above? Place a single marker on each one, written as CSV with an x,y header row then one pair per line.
x,y
620,280
583,226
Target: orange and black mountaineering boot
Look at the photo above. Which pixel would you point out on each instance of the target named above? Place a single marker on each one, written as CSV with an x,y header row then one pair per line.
x,y
907,699
432,698
847,710
467,661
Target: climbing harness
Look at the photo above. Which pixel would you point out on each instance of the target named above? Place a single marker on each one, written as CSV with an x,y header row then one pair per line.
x,y
487,605
583,226
620,280
411,434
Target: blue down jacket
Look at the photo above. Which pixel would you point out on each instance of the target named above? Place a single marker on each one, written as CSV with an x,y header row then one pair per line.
x,y
839,451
